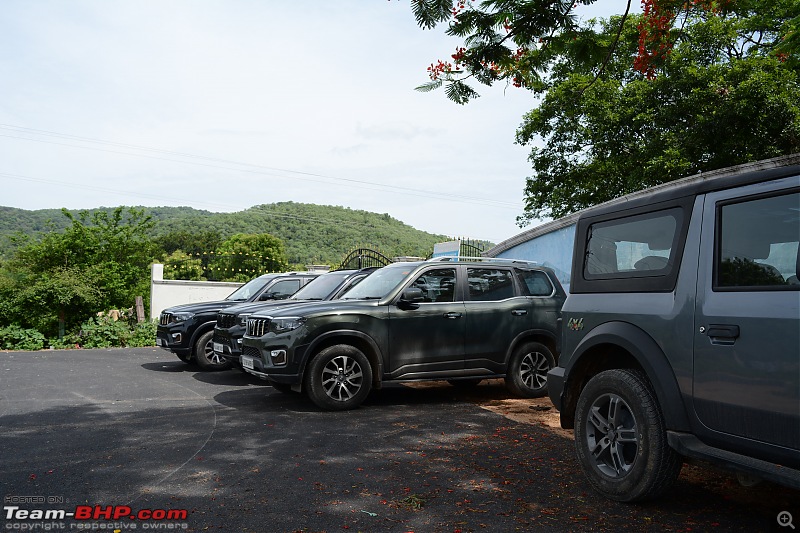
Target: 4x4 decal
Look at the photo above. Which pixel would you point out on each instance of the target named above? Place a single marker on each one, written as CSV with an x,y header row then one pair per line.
x,y
575,324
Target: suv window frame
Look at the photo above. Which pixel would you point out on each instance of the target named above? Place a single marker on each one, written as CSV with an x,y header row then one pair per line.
x,y
663,280
716,259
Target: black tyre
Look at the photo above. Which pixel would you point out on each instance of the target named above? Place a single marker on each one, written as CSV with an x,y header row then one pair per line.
x,y
527,372
186,358
464,383
205,356
621,439
338,378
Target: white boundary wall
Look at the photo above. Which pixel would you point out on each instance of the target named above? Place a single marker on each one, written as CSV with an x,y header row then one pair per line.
x,y
166,293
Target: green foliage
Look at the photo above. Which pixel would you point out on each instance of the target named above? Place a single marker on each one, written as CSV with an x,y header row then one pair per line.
x,y
17,338
632,101
621,133
104,332
180,265
315,234
254,255
192,243
100,261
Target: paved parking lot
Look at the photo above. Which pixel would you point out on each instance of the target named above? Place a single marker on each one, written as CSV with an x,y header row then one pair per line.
x,y
126,430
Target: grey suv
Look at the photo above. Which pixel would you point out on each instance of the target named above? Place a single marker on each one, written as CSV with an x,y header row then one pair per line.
x,y
462,321
681,333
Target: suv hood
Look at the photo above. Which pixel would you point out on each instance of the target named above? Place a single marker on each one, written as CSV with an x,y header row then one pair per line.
x,y
202,307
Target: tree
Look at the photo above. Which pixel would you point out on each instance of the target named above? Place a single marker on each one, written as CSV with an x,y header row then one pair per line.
x,y
711,107
98,262
192,243
634,100
243,256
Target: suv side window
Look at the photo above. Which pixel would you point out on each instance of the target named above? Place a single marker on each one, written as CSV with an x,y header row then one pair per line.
x,y
632,246
437,285
490,284
757,243
536,283
284,288
637,250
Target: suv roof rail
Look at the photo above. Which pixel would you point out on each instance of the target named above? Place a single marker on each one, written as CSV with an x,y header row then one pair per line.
x,y
497,260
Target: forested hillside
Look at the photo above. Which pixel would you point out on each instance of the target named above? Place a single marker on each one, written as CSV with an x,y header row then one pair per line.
x,y
311,233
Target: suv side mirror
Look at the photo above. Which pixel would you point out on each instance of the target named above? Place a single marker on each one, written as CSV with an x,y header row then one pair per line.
x,y
267,296
410,299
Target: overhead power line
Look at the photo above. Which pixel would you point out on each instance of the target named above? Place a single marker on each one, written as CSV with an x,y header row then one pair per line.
x,y
205,161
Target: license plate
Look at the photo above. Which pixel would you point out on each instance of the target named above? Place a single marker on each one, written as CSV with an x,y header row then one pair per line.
x,y
247,362
218,347
159,342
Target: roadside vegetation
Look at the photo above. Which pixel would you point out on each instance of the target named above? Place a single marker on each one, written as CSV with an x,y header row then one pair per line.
x,y
71,279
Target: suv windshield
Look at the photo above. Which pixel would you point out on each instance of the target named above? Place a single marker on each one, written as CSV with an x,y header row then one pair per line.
x,y
248,290
380,283
322,287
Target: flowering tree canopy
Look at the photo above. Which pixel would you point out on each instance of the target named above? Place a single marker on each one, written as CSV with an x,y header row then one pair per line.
x,y
634,100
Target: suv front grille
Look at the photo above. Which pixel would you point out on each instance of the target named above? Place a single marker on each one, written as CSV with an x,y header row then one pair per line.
x,y
226,320
165,319
257,327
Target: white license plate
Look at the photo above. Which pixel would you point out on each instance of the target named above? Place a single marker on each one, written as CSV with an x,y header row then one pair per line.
x,y
218,347
159,342
247,362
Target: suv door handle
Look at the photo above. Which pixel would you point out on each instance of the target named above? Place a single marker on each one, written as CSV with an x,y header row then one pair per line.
x,y
723,331
519,312
452,315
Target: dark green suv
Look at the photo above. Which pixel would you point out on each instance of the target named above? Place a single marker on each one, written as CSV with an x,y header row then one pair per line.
x,y
461,321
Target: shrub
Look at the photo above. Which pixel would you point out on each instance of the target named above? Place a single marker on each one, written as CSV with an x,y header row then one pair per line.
x,y
17,338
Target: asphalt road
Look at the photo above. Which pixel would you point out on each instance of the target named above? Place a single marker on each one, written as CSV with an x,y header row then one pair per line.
x,y
136,429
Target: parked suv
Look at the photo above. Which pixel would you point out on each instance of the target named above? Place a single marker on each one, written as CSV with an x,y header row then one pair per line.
x,y
682,333
462,321
186,330
231,322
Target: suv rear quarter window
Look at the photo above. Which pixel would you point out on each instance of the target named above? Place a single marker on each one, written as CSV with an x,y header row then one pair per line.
x,y
631,251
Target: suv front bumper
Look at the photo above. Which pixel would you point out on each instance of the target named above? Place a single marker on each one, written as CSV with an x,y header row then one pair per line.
x,y
228,344
259,362
555,386
174,338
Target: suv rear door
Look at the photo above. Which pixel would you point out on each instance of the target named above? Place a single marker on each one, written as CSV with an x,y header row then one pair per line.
x,y
746,336
496,314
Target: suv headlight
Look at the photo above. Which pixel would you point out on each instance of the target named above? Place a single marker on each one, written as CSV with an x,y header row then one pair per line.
x,y
243,319
284,324
181,317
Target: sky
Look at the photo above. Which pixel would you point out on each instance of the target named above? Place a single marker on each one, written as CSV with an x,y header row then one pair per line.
x,y
225,104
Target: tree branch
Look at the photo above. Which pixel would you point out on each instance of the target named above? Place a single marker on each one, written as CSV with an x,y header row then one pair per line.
x,y
610,50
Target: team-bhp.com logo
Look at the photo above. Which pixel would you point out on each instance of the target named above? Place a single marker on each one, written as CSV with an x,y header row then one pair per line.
x,y
85,517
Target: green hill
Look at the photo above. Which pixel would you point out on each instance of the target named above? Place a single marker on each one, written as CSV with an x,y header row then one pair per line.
x,y
311,233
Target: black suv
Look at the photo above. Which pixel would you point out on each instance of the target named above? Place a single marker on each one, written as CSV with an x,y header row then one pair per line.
x,y
682,333
186,330
462,321
231,322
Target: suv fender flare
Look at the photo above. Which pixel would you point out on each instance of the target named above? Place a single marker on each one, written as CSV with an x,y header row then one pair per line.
x,y
377,360
535,335
648,356
200,330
